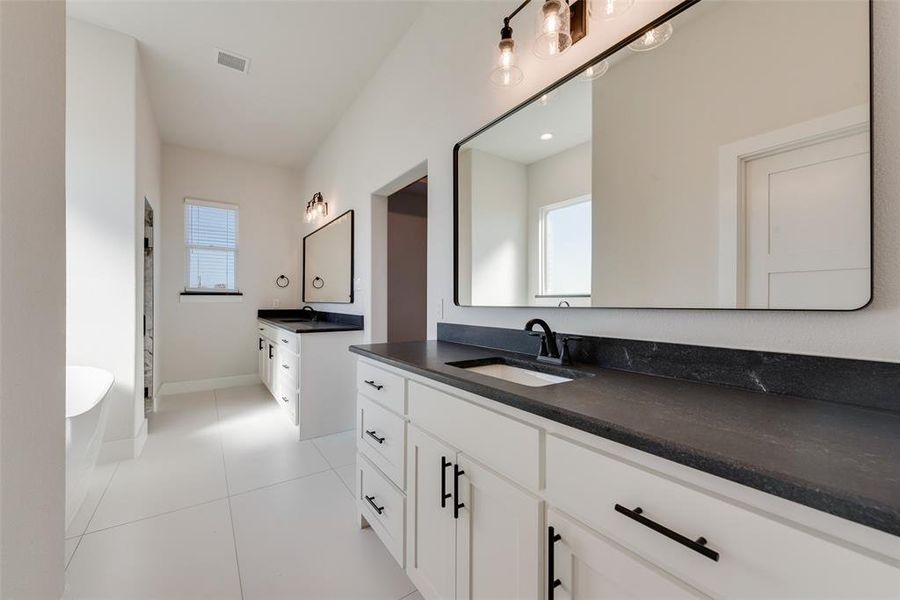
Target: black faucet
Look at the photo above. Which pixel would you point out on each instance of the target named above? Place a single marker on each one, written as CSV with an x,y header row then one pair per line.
x,y
309,308
550,352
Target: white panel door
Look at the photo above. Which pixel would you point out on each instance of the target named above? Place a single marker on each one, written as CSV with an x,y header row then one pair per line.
x,y
498,537
807,216
430,526
591,567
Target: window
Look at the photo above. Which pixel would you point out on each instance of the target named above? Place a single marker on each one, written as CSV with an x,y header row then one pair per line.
x,y
565,249
211,247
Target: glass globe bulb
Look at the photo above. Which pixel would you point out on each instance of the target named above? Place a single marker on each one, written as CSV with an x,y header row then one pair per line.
x,y
610,9
653,39
553,35
596,71
506,74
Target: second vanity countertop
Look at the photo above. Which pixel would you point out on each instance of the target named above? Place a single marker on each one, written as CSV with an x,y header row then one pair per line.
x,y
298,321
840,459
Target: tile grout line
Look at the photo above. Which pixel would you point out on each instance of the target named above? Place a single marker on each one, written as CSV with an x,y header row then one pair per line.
x,y
237,560
162,514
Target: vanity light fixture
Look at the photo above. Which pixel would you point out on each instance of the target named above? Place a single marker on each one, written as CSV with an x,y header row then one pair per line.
x,y
506,74
546,137
553,35
653,38
596,71
316,208
560,24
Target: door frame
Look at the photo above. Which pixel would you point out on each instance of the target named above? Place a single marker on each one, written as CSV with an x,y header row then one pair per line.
x,y
733,160
378,306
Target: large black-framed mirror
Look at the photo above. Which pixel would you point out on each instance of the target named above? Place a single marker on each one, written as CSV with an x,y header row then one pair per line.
x,y
727,168
328,262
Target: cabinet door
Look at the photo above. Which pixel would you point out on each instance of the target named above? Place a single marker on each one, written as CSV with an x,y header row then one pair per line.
x,y
261,358
499,537
430,527
589,566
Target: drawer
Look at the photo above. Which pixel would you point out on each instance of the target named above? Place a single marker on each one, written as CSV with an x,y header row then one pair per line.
x,y
382,438
287,363
265,330
387,388
383,506
286,341
759,557
504,444
287,396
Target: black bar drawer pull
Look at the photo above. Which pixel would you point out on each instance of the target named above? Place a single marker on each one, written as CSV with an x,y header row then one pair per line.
x,y
284,366
372,435
371,501
552,581
260,343
270,350
698,545
373,384
456,503
444,495
284,341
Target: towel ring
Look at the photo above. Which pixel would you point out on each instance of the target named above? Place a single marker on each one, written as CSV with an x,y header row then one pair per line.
x,y
282,281
318,282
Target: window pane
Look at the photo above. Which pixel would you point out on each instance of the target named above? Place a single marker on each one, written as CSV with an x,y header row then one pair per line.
x,y
211,269
210,226
567,255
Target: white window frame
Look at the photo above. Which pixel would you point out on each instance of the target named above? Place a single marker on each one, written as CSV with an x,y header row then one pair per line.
x,y
189,291
542,247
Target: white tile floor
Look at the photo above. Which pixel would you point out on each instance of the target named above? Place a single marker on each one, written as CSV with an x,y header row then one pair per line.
x,y
225,503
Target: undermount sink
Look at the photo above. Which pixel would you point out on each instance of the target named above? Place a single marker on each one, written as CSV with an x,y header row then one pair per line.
x,y
520,372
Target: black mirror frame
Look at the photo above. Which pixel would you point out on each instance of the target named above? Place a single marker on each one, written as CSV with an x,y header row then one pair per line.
x,y
352,257
603,55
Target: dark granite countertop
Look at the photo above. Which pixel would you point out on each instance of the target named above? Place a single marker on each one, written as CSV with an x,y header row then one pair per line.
x,y
298,321
837,458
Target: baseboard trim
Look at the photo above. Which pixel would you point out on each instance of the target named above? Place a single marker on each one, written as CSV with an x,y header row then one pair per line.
x,y
124,449
200,385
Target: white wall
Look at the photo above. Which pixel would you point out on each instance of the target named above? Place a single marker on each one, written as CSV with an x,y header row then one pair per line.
x,y
32,295
433,90
208,340
498,229
110,154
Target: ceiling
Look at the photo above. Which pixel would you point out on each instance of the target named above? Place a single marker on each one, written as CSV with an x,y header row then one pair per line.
x,y
308,62
565,113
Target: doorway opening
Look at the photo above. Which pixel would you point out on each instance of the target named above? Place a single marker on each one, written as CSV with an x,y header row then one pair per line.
x,y
148,308
407,263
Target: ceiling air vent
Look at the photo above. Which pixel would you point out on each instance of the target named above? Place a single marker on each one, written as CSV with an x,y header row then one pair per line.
x,y
232,60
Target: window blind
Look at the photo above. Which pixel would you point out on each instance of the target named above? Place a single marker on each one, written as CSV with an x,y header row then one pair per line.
x,y
211,241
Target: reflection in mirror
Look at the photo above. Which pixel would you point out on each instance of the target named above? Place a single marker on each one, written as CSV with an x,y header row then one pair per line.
x,y
727,167
328,262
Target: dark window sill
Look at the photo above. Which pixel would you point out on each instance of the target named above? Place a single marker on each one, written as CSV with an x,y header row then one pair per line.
x,y
212,293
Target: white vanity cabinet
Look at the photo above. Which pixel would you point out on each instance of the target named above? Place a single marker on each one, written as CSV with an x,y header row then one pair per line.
x,y
306,375
541,503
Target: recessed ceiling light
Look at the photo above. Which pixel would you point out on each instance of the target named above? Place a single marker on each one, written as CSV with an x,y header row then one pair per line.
x,y
546,136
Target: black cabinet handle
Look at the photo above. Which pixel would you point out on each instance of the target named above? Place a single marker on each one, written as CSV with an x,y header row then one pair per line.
x,y
270,350
444,495
284,341
371,501
260,343
698,545
284,398
552,581
373,384
372,435
284,366
456,503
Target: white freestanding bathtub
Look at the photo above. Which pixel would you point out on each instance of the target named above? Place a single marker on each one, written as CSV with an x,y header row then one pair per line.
x,y
86,410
